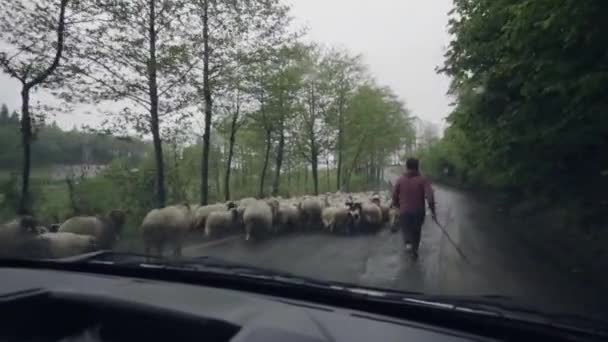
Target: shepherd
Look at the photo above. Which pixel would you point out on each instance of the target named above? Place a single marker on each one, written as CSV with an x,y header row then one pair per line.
x,y
409,195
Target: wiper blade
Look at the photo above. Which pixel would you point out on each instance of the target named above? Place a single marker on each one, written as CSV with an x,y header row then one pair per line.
x,y
212,264
492,305
496,303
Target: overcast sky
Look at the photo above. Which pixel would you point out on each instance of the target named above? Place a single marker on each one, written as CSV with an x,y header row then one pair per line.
x,y
402,41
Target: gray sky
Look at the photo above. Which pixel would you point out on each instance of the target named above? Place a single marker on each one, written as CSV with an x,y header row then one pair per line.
x,y
402,41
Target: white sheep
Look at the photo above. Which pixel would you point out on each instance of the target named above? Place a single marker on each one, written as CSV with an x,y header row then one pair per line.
x,y
310,212
15,236
166,226
62,244
337,218
257,219
106,229
371,216
202,212
221,222
288,216
393,219
383,208
242,204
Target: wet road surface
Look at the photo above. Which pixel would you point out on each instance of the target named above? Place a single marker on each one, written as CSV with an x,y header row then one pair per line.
x,y
499,263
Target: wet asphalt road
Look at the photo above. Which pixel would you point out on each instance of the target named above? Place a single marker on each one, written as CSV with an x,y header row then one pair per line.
x,y
499,263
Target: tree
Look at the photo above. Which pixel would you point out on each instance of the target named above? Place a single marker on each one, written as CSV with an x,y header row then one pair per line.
x,y
314,103
529,83
345,72
284,85
229,30
235,122
378,123
34,32
262,118
4,114
141,53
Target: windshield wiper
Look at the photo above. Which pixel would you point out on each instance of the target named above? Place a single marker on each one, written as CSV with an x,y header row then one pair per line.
x,y
212,264
505,307
489,305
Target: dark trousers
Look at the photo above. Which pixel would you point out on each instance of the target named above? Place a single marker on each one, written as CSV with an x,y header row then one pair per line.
x,y
411,226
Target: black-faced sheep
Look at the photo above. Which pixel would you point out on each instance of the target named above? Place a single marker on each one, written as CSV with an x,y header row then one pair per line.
x,y
106,229
337,218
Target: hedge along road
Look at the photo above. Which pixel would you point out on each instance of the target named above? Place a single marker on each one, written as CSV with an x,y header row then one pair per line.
x,y
498,263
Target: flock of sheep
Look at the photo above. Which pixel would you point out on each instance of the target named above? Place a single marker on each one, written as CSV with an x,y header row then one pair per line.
x,y
170,226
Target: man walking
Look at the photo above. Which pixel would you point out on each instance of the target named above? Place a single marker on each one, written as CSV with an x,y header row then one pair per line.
x,y
409,194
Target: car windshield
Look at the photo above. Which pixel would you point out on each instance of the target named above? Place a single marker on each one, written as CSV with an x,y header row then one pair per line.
x,y
448,147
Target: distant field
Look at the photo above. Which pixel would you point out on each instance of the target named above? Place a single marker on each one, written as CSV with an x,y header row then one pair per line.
x,y
37,173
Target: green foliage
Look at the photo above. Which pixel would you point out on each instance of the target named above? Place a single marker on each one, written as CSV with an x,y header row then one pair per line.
x,y
55,146
529,78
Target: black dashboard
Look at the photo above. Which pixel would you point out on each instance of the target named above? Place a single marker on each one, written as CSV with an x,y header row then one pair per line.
x,y
55,305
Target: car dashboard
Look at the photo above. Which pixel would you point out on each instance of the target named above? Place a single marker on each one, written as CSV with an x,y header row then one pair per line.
x,y
56,305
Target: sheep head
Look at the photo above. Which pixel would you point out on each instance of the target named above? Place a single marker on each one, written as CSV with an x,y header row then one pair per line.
x,y
28,224
118,219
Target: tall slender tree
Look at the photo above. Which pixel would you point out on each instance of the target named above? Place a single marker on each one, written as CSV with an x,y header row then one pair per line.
x,y
229,29
33,32
140,53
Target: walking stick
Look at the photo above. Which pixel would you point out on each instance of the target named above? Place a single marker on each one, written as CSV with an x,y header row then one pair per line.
x,y
445,232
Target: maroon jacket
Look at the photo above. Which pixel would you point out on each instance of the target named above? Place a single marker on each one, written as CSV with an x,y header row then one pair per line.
x,y
410,191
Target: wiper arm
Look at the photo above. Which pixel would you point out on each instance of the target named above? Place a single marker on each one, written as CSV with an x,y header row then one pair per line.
x,y
496,303
212,264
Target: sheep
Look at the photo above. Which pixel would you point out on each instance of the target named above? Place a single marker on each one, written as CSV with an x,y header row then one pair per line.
x,y
287,216
310,212
221,222
257,218
202,212
42,230
371,217
274,208
62,244
105,229
164,226
15,236
337,218
393,219
383,208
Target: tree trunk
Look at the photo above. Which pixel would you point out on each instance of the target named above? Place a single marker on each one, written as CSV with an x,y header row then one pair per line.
x,y
26,144
314,157
266,158
235,117
217,176
340,152
72,196
340,157
289,176
208,107
26,120
279,161
328,174
154,122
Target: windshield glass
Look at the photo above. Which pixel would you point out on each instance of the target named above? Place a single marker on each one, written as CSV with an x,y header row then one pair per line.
x,y
443,147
